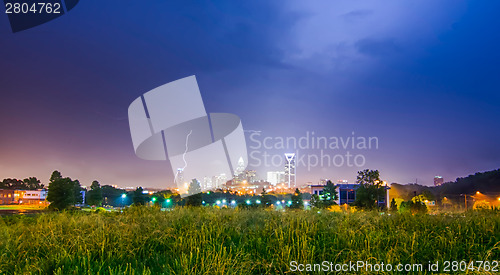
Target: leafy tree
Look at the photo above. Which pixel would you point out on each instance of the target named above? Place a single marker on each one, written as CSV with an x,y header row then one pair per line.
x,y
366,196
411,207
427,195
76,192
162,197
316,201
394,205
63,192
370,189
94,195
32,183
194,191
329,194
138,197
55,175
266,198
112,196
368,177
175,199
194,187
297,202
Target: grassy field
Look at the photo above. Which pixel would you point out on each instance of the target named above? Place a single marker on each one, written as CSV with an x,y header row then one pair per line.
x,y
21,207
227,241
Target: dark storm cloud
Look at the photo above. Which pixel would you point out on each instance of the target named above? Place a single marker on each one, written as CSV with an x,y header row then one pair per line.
x,y
67,84
422,76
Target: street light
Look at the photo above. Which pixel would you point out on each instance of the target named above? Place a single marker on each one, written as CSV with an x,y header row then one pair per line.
x,y
123,196
249,202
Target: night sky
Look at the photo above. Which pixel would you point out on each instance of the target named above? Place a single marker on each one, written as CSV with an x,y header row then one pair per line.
x,y
421,76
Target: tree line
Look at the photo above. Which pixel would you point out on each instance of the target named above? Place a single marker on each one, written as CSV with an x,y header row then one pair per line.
x,y
31,183
64,192
485,182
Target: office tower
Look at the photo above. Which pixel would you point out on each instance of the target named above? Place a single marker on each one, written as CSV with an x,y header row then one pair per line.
x,y
290,175
179,178
275,177
438,180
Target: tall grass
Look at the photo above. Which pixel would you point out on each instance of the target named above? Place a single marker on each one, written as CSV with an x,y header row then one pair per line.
x,y
226,241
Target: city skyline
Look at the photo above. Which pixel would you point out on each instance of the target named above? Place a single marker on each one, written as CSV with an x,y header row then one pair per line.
x,y
427,91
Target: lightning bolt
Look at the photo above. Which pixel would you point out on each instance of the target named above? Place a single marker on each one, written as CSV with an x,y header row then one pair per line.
x,y
184,156
185,151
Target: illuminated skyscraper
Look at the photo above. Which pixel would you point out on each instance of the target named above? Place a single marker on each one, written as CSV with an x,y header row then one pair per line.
x,y
179,177
241,167
275,177
207,183
438,180
290,175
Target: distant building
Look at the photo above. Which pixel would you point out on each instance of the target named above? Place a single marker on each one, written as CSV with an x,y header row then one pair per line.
x,y
250,175
207,182
23,196
317,189
347,193
241,167
438,180
290,173
275,177
323,181
6,196
179,178
34,196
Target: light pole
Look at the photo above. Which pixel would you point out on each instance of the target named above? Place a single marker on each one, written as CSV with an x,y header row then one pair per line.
x,y
465,200
124,196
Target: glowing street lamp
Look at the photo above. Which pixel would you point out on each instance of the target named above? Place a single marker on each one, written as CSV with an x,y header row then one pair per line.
x,y
124,196
217,202
168,200
258,201
233,202
249,202
224,201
